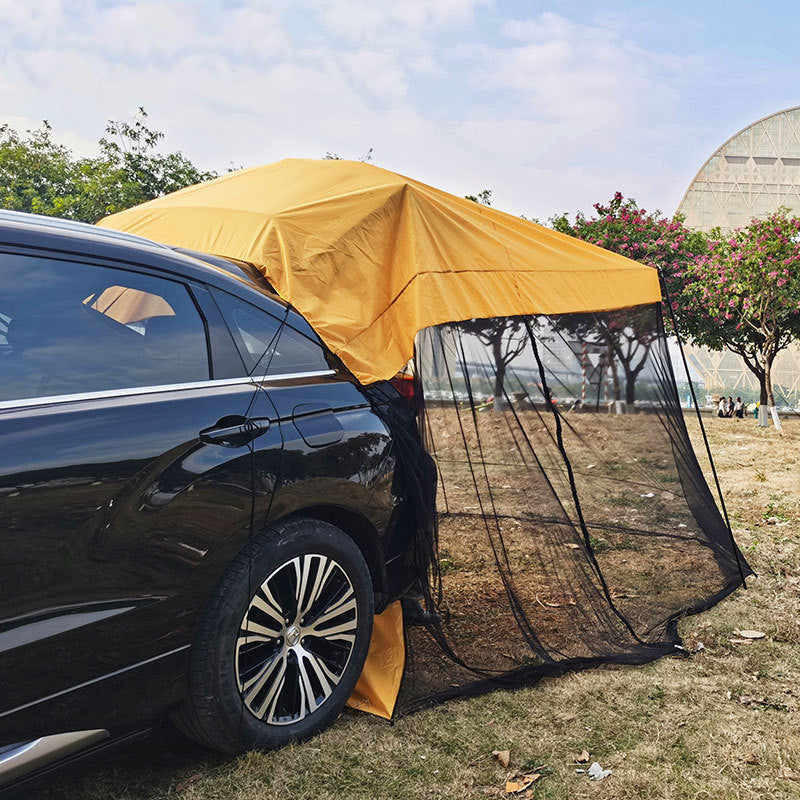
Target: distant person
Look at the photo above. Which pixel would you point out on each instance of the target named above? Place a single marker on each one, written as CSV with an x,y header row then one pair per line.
x,y
721,407
729,407
738,408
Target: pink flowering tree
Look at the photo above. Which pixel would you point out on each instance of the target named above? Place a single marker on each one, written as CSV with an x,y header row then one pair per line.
x,y
747,286
620,225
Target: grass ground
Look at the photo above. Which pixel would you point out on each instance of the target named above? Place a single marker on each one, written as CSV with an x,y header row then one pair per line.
x,y
724,723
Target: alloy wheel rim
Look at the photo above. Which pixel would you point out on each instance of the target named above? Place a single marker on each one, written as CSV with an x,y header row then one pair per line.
x,y
295,639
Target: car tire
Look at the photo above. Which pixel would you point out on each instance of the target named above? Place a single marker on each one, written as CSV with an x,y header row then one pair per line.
x,y
255,683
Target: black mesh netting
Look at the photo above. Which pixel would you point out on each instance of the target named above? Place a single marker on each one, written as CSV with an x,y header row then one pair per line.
x,y
572,524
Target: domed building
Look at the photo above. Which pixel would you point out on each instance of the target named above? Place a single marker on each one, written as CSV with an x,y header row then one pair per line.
x,y
751,175
755,172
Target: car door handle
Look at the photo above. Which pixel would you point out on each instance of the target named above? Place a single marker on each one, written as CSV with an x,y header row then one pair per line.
x,y
235,430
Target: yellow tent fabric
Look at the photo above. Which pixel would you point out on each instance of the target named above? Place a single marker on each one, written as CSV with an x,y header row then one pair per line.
x,y
370,257
377,688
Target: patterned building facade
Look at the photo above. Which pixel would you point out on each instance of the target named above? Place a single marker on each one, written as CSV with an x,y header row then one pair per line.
x,y
756,171
751,175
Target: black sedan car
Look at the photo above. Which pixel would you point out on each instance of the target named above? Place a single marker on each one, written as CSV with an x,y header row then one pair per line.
x,y
199,507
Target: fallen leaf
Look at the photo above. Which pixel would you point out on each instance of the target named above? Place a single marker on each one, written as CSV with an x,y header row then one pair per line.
x,y
572,545
750,634
583,758
519,783
503,756
189,781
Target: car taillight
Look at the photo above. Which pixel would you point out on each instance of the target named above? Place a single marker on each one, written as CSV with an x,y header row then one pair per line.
x,y
406,386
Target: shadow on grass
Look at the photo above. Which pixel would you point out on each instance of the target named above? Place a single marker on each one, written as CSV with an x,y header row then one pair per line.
x,y
156,766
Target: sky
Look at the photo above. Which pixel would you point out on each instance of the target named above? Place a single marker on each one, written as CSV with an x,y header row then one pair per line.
x,y
553,106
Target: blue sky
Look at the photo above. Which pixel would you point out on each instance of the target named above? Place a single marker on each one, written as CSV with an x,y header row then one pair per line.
x,y
552,106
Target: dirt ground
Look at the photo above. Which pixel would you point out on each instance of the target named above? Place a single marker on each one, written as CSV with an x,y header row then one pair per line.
x,y
509,510
721,722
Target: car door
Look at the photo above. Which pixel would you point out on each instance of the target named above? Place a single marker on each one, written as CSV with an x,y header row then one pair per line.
x,y
125,486
335,449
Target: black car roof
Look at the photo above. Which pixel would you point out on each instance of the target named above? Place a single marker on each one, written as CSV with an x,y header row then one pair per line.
x,y
23,230
77,229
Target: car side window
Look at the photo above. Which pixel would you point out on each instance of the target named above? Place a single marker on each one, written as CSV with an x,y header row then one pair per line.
x,y
68,328
268,347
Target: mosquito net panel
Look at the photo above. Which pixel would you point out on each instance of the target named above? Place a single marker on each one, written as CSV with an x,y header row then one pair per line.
x,y
571,524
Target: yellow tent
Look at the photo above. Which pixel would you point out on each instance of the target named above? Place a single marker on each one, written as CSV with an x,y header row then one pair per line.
x,y
370,257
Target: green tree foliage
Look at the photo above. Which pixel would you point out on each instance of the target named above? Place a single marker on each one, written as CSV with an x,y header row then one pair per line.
x,y
748,286
483,198
36,174
366,158
40,176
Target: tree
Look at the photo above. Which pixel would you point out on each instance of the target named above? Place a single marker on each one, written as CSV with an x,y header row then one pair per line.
x,y
365,159
483,198
666,244
748,287
626,336
36,174
42,177
506,337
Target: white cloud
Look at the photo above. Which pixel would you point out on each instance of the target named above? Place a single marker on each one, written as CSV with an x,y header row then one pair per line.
x,y
549,113
360,20
577,74
145,31
379,73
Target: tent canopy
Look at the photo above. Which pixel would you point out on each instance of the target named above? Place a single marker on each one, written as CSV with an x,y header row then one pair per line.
x,y
370,258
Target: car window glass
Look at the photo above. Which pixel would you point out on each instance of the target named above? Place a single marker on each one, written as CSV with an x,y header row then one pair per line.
x,y
69,328
269,347
296,353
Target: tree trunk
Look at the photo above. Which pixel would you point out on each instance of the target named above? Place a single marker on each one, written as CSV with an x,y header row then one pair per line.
x,y
753,363
612,362
763,419
630,389
767,394
499,373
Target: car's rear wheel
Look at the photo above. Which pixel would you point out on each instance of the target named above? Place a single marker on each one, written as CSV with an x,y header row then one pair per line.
x,y
282,640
